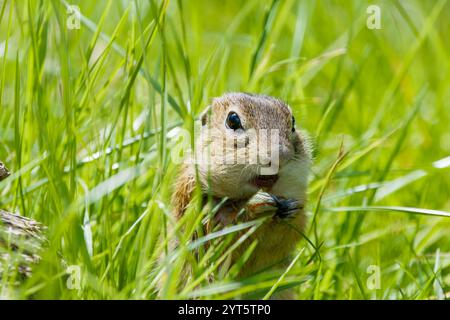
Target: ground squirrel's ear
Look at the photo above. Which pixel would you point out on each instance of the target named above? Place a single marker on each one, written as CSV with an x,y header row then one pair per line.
x,y
205,115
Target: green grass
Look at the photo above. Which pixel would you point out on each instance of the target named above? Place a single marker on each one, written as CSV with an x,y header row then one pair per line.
x,y
85,124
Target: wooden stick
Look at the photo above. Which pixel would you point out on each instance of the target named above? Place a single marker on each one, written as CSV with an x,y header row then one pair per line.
x,y
21,239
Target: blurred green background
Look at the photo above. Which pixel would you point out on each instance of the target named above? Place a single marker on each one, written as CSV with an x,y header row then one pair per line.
x,y
88,114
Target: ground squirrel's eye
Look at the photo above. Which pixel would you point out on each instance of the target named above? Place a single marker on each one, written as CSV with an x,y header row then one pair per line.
x,y
204,119
293,124
233,121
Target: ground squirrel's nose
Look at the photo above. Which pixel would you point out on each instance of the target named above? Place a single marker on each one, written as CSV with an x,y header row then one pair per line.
x,y
285,152
277,157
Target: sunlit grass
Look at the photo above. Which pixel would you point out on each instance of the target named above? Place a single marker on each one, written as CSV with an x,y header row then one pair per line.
x,y
87,119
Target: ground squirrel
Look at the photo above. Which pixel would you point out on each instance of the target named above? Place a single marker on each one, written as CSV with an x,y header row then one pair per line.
x,y
241,118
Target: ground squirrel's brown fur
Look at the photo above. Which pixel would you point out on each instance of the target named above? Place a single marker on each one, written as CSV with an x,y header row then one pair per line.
x,y
239,181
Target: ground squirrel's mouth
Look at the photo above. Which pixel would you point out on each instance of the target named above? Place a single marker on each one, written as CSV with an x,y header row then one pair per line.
x,y
265,181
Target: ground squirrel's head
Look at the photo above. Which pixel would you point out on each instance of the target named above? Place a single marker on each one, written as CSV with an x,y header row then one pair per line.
x,y
250,140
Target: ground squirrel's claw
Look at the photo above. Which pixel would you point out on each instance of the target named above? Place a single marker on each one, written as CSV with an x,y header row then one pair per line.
x,y
266,203
286,208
